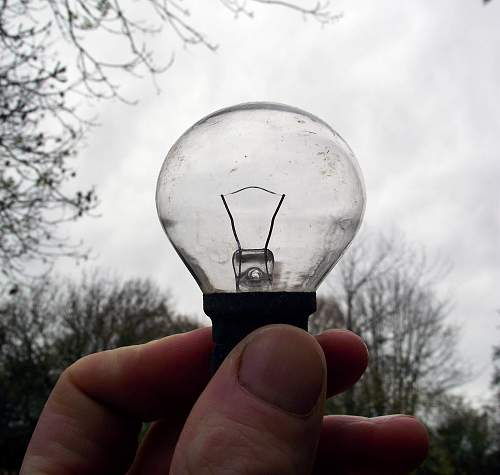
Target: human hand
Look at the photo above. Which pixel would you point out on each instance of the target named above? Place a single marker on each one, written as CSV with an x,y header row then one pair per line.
x,y
261,413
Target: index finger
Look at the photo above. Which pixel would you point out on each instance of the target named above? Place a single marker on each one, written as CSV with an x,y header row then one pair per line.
x,y
96,408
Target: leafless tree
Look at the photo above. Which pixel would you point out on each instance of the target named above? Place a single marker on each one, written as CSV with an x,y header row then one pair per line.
x,y
52,62
386,292
102,312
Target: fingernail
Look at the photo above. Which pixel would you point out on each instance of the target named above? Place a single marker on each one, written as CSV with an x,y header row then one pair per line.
x,y
283,366
392,417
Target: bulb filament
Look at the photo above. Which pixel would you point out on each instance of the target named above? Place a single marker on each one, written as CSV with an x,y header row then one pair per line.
x,y
253,268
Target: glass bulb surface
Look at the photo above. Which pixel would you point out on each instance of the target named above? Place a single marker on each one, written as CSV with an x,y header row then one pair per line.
x,y
260,197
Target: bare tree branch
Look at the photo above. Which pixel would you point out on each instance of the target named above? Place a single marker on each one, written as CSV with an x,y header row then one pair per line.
x,y
41,93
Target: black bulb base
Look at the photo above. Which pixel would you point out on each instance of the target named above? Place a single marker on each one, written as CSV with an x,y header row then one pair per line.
x,y
235,315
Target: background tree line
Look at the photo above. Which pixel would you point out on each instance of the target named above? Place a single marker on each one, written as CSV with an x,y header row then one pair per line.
x,y
385,292
48,326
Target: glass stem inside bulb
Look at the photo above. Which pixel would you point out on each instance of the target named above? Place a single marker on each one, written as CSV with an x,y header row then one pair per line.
x,y
253,267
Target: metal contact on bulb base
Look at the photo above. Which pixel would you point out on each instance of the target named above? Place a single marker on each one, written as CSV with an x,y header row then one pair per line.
x,y
235,315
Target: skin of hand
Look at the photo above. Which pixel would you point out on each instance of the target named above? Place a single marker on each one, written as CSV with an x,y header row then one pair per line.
x,y
261,413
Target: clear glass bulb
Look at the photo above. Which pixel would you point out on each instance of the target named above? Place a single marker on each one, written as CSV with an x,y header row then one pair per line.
x,y
260,197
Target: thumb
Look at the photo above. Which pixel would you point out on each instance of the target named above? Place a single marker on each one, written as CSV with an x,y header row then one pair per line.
x,y
262,411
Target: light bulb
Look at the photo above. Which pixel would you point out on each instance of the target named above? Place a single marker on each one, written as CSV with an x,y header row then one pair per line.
x,y
259,200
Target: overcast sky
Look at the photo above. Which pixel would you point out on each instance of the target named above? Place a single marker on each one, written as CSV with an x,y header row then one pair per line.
x,y
414,88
